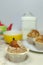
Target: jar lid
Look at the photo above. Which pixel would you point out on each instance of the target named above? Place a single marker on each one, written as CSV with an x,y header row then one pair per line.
x,y
28,16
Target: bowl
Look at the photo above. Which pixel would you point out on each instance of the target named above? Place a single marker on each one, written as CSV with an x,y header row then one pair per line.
x,y
30,40
39,45
17,57
9,35
39,42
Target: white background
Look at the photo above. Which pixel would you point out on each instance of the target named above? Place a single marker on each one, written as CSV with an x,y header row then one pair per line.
x,y
12,10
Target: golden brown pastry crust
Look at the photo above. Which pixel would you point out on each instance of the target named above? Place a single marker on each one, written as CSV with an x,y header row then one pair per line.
x,y
14,44
33,34
39,39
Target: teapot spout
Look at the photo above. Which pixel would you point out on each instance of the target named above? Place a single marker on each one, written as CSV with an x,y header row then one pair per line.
x,y
9,27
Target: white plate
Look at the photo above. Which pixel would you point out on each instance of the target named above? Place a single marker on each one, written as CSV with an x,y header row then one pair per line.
x,y
31,47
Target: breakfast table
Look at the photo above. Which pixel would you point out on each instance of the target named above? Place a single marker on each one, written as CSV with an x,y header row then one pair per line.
x,y
33,58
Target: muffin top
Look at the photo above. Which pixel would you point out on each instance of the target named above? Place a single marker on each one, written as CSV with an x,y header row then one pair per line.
x,y
39,39
33,33
18,50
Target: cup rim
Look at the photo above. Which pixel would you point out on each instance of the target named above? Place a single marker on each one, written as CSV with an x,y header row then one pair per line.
x,y
27,50
13,32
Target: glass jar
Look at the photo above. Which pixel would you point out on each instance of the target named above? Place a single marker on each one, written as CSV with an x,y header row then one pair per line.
x,y
28,23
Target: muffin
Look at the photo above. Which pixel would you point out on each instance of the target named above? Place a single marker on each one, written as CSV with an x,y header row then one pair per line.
x,y
17,55
39,42
32,35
